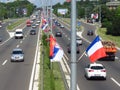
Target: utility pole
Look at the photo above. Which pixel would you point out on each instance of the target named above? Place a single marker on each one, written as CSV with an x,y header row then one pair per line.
x,y
73,84
51,16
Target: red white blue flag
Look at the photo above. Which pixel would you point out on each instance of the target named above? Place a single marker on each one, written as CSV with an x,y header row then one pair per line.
x,y
56,52
95,50
44,24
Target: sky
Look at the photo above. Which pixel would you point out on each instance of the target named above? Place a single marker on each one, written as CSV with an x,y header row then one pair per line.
x,y
39,3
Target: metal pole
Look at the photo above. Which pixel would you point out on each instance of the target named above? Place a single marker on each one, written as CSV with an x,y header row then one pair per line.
x,y
73,46
51,16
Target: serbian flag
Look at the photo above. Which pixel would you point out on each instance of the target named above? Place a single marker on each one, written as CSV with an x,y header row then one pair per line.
x,y
56,52
96,50
44,26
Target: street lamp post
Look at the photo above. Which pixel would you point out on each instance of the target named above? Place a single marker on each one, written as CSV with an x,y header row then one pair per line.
x,y
73,46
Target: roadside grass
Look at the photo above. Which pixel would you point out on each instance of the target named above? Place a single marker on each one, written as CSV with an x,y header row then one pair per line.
x,y
102,33
67,20
17,23
51,78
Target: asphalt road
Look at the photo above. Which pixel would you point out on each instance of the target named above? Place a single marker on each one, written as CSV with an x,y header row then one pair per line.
x,y
17,75
112,67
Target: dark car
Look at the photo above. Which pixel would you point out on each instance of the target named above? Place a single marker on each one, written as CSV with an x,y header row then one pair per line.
x,y
32,32
77,48
58,24
61,26
58,34
90,32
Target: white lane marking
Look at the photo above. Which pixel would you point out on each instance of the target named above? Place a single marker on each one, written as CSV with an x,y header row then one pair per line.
x,y
4,62
115,81
21,41
17,46
5,42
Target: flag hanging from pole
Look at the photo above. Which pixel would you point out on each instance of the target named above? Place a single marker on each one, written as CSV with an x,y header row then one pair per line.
x,y
95,50
56,52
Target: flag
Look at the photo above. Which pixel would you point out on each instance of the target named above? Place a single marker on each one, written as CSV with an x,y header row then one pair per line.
x,y
44,26
96,50
56,52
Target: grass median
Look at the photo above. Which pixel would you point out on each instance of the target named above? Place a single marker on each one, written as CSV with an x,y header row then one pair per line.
x,y
51,78
16,23
102,33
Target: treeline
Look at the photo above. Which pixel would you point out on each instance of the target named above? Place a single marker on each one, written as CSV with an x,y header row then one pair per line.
x,y
109,18
16,9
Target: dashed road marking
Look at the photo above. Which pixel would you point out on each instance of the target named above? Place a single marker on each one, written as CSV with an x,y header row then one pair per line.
x,y
4,62
18,46
21,41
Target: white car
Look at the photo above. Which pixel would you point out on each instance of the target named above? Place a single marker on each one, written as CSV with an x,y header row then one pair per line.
x,y
95,70
79,41
18,33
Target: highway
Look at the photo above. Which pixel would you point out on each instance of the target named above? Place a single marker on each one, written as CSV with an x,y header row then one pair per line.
x,y
17,75
112,67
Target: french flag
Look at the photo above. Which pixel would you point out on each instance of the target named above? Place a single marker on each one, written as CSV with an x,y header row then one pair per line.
x,y
95,50
56,52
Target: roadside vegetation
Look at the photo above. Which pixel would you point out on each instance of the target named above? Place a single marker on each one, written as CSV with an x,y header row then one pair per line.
x,y
110,18
16,9
102,33
18,22
51,78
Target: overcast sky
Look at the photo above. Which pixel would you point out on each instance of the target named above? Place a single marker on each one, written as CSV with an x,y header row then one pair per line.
x,y
40,3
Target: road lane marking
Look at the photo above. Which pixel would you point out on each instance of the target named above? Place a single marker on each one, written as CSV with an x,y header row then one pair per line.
x,y
4,62
17,46
115,81
21,41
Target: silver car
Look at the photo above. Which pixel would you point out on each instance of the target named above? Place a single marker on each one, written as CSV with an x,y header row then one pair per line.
x,y
17,55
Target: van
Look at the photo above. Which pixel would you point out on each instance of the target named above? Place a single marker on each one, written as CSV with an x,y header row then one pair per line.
x,y
18,34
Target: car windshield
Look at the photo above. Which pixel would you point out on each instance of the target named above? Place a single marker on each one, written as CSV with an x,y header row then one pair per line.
x,y
17,52
32,30
78,39
97,67
18,32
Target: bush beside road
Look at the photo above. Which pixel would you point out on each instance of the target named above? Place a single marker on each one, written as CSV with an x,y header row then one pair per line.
x,y
50,74
102,33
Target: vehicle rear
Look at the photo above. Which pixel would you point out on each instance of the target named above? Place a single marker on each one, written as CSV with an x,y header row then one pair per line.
x,y
18,34
96,71
110,50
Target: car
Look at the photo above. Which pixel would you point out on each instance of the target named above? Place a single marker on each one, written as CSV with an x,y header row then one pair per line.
x,y
79,41
58,24
90,32
18,34
0,38
38,21
33,26
95,71
17,55
61,26
69,48
37,24
33,32
58,34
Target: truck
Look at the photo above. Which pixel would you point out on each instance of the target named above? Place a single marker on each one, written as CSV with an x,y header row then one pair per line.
x,y
110,49
28,23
